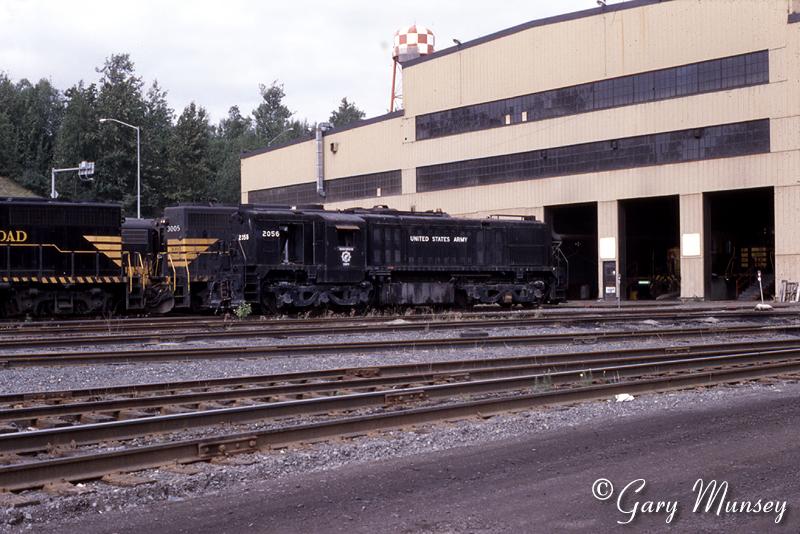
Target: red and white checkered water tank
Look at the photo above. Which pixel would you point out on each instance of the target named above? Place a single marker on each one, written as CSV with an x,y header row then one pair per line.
x,y
412,42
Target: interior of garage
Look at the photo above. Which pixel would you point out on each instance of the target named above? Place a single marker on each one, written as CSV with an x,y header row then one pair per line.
x,y
740,242
649,233
577,226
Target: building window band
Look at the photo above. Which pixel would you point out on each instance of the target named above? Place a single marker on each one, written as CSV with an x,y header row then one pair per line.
x,y
349,188
732,72
709,142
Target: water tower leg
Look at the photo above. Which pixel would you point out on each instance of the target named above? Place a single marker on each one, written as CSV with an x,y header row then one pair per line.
x,y
394,79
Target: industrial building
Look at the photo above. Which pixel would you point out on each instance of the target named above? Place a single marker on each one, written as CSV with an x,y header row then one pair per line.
x,y
661,139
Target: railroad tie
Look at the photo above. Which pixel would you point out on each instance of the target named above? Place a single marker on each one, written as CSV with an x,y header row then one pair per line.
x,y
126,480
62,488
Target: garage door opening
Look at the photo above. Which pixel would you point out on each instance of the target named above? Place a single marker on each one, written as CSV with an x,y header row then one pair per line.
x,y
577,226
649,230
740,242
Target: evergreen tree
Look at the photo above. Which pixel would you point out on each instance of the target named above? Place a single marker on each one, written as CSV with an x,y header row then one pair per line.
x,y
271,117
9,156
77,140
157,134
38,114
345,114
234,134
120,97
191,170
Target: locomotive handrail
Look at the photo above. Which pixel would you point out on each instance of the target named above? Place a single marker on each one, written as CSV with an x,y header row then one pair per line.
x,y
130,272
499,216
174,273
145,275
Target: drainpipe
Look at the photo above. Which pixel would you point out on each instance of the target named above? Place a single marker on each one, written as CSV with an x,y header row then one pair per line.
x,y
321,127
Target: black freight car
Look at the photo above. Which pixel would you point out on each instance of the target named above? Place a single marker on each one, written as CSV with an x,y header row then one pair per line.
x,y
59,257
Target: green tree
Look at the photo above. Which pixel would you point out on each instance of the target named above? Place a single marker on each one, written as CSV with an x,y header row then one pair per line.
x,y
157,136
9,156
37,114
234,134
77,139
191,169
271,117
120,97
345,114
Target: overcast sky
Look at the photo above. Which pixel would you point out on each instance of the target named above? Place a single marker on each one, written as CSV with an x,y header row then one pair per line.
x,y
218,52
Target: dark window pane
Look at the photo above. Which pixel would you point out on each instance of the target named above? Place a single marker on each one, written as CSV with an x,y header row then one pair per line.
x,y
665,83
758,67
733,71
669,147
643,87
708,76
714,75
686,80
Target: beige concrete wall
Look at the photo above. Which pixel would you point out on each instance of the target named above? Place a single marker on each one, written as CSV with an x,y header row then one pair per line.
x,y
787,232
760,170
634,40
692,233
373,148
593,48
607,242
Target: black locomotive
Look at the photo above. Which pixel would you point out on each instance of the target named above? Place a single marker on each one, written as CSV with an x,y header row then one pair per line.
x,y
81,258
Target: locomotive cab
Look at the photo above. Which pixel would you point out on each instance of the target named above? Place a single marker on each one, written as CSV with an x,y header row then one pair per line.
x,y
344,257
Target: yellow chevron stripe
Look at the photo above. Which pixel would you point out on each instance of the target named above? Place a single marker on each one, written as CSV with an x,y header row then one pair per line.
x,y
109,245
208,241
62,279
103,238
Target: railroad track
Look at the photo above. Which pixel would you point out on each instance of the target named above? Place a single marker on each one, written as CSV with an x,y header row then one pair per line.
x,y
468,339
415,404
31,335
73,407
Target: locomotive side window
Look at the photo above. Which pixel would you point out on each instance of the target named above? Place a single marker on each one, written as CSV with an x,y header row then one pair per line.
x,y
291,243
346,237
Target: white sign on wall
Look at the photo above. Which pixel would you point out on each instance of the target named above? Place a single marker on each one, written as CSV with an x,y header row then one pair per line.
x,y
690,245
608,248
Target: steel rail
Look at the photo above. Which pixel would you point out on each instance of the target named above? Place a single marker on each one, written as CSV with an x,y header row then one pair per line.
x,y
438,372
112,329
41,440
390,370
345,327
287,350
81,467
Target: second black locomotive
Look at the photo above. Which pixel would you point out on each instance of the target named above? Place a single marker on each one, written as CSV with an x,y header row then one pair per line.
x,y
279,257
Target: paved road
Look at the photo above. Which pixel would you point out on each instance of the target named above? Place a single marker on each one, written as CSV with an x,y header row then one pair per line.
x,y
540,483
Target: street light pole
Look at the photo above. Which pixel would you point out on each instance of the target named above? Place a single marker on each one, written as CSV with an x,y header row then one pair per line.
x,y
138,165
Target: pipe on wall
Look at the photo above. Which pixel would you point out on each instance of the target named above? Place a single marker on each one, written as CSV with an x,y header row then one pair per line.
x,y
321,127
